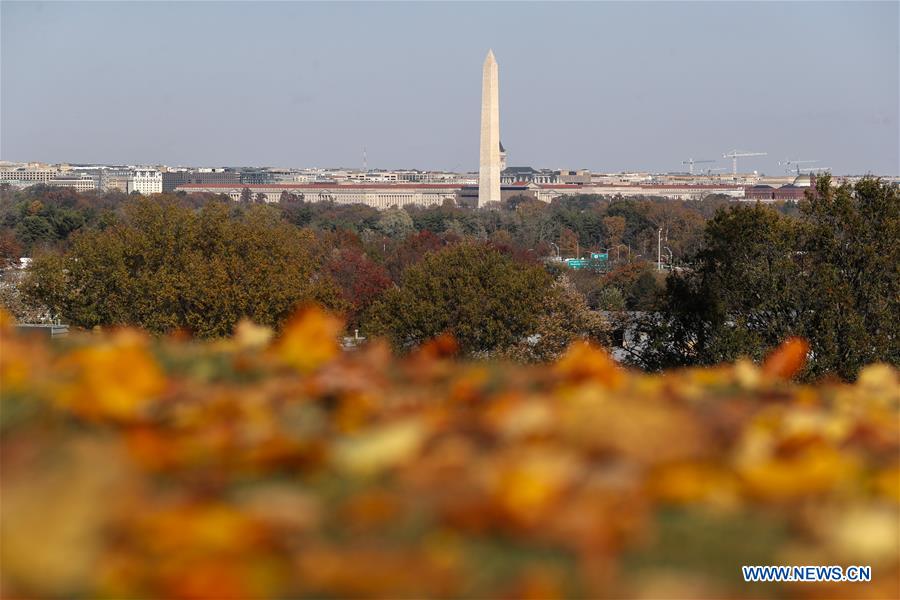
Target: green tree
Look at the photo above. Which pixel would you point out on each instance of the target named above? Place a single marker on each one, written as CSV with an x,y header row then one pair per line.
x,y
34,230
564,318
482,297
609,298
395,223
742,299
639,284
829,276
851,263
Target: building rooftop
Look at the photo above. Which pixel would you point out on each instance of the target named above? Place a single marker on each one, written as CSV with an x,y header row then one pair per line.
x,y
319,186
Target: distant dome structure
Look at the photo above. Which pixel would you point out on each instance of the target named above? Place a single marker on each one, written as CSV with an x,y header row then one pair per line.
x,y
804,180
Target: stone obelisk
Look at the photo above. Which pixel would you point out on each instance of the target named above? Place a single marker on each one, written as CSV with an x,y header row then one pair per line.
x,y
489,168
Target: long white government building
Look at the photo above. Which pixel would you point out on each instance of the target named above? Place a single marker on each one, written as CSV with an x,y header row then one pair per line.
x,y
386,195
375,195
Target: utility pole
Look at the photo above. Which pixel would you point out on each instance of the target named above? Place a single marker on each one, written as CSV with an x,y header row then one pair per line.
x,y
659,250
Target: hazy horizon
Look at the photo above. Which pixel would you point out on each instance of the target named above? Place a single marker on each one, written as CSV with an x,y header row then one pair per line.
x,y
605,86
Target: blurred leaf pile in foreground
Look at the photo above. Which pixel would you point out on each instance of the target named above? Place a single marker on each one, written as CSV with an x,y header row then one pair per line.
x,y
257,467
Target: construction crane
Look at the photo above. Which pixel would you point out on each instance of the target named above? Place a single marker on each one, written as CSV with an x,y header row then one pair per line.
x,y
691,162
711,171
796,164
734,154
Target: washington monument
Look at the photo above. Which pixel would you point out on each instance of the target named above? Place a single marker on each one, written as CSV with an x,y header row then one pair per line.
x,y
489,168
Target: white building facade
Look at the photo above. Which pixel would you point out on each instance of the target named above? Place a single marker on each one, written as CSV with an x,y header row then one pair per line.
x,y
80,182
379,196
145,181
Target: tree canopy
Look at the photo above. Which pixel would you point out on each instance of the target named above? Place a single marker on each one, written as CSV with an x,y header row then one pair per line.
x,y
488,301
165,267
829,276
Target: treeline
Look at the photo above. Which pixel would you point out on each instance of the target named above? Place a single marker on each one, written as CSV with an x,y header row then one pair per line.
x,y
42,216
361,238
830,276
746,276
164,265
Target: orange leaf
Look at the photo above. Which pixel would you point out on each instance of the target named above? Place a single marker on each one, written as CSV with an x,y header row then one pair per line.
x,y
787,360
114,379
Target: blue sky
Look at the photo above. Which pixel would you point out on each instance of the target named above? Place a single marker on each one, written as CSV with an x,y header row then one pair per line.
x,y
606,86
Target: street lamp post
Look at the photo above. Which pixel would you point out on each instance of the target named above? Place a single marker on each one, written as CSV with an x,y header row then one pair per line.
x,y
659,241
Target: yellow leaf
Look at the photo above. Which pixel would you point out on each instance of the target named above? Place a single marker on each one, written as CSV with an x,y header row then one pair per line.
x,y
585,361
248,334
309,339
115,378
812,470
6,320
379,448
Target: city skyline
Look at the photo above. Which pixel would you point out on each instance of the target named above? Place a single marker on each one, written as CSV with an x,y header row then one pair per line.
x,y
606,87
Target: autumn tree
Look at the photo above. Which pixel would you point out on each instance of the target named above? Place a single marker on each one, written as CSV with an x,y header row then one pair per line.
x,y
485,299
410,251
359,279
528,220
164,267
568,243
564,318
10,249
615,230
475,293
